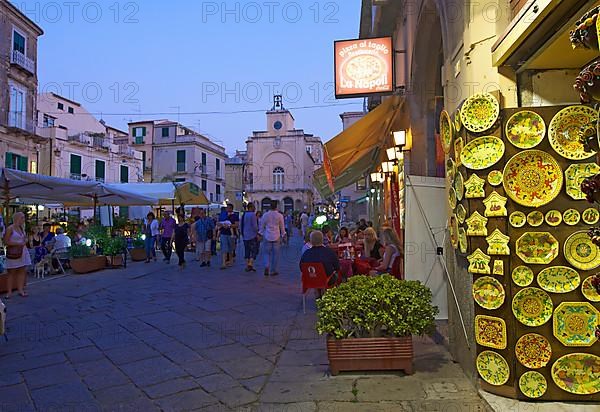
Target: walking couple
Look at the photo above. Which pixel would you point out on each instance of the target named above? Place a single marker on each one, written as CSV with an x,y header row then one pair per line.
x,y
271,228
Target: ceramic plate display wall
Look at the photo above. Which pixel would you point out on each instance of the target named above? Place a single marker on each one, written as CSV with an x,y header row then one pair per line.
x,y
479,112
532,178
482,153
488,293
590,216
522,276
580,252
577,373
533,384
459,186
474,187
477,225
532,307
462,241
535,218
459,144
461,214
490,331
495,205
589,291
574,323
558,279
575,175
517,219
452,200
553,218
537,248
533,351
446,131
571,217
565,131
525,129
498,243
492,368
479,263
495,178
450,171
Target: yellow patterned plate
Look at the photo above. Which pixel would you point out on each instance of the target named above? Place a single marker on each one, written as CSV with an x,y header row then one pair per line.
x,y
490,331
488,292
446,131
522,276
461,213
463,245
482,153
574,324
525,129
564,132
452,201
459,186
535,218
571,217
459,143
577,373
533,178
553,218
581,252
532,307
450,171
533,351
575,175
558,279
517,219
495,178
474,187
590,216
493,368
479,112
589,291
537,248
533,384
457,122
454,231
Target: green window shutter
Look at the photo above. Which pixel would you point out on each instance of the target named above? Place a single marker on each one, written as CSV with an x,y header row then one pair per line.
x,y
144,131
75,164
144,159
8,160
181,160
100,169
165,132
124,174
23,163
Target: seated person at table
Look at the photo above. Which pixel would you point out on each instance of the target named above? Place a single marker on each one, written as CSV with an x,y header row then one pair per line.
x,y
372,245
61,240
46,235
392,251
307,245
327,235
318,253
343,236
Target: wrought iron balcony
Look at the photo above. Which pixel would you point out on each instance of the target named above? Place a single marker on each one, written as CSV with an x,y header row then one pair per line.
x,y
23,61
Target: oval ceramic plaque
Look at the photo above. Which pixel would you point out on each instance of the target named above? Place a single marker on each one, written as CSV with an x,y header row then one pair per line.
x,y
483,152
589,290
446,131
565,131
577,373
525,129
558,279
488,293
461,213
492,368
537,248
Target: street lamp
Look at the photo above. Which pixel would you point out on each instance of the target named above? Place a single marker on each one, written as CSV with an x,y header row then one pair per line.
x,y
387,167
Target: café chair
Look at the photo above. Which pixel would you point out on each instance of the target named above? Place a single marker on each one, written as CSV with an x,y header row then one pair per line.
x,y
313,277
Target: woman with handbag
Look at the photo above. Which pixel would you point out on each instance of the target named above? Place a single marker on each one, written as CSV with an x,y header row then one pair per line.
x,y
17,255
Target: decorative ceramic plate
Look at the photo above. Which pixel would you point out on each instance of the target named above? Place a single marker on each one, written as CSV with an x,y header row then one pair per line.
x,y
479,112
459,144
493,368
474,187
553,218
457,121
577,373
522,276
452,200
450,171
495,205
590,216
454,231
533,384
446,131
463,245
488,292
565,131
477,225
537,248
461,213
533,351
533,178
581,252
517,219
589,291
575,175
482,153
490,331
532,307
571,217
498,243
525,129
495,178
574,323
558,279
459,186
535,218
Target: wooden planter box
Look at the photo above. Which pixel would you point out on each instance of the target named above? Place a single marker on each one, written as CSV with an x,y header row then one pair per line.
x,y
88,264
138,254
114,261
370,354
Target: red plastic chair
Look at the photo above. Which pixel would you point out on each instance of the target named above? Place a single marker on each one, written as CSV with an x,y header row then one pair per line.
x,y
313,277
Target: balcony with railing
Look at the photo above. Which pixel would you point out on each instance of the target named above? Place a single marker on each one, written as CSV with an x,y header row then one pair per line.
x,y
99,142
19,59
81,138
18,122
75,176
125,150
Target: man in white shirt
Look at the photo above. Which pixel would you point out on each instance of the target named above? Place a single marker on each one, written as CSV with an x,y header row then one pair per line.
x,y
272,230
61,241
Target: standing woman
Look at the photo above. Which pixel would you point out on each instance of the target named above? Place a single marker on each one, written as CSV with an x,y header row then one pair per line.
x,y
181,236
150,231
17,255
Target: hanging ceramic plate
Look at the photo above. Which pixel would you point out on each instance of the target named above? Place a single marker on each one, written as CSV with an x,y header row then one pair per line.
x,y
474,187
537,248
488,292
577,373
457,122
565,131
452,201
574,323
590,216
446,131
533,178
454,231
558,279
553,218
450,171
581,252
459,143
535,218
532,307
490,331
459,186
463,246
482,153
533,351
589,291
525,129
522,276
479,112
517,219
493,368
533,384
461,213
571,217
495,178
575,175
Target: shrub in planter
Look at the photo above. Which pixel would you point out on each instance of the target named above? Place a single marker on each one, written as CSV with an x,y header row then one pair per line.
x,y
114,249
82,260
138,253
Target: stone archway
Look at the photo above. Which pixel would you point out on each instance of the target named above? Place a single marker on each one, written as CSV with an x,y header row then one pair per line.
x,y
288,204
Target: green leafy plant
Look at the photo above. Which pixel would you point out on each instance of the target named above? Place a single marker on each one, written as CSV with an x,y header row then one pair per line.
x,y
138,243
371,307
114,246
79,251
98,234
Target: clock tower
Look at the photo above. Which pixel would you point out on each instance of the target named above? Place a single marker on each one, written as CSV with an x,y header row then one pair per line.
x,y
279,119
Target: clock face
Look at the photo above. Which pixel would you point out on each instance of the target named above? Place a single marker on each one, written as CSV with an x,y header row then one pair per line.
x,y
277,125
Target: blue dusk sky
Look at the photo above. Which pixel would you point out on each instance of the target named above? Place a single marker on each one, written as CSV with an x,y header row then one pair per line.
x,y
152,59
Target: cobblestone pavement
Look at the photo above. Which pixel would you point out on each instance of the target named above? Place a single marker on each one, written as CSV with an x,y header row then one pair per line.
x,y
151,337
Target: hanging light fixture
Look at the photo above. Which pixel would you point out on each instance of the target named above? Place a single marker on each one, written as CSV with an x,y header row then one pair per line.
x,y
400,138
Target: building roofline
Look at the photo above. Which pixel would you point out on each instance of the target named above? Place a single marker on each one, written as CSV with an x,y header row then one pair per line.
x,y
58,96
33,25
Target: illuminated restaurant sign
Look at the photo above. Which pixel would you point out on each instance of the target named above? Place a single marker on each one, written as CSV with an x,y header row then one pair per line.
x,y
364,67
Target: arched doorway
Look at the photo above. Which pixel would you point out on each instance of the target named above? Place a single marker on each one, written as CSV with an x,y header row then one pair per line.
x,y
288,204
265,204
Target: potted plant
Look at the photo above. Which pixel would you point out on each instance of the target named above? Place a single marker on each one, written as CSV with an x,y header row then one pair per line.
x,y
114,249
83,261
138,252
370,321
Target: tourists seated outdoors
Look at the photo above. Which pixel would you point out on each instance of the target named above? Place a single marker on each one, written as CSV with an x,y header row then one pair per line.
x,y
318,253
391,242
